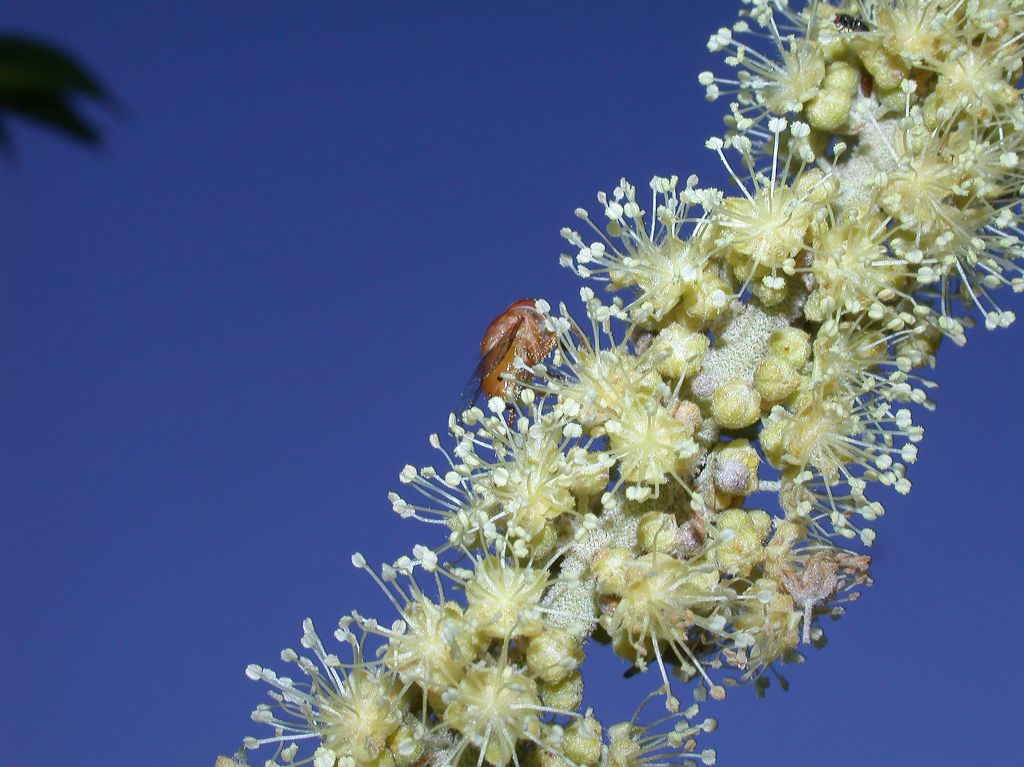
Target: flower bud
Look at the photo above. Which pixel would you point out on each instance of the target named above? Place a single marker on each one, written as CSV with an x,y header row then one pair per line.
x,y
735,468
609,567
679,351
566,695
745,549
553,655
775,379
829,109
582,741
790,344
735,405
656,532
773,438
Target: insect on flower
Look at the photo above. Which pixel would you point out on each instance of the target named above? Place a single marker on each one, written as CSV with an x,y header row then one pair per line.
x,y
851,23
519,332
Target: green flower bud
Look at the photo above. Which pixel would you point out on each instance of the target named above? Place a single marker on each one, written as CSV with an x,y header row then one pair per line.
x,y
735,405
609,567
773,439
735,468
741,551
656,532
791,344
407,745
679,351
553,655
829,109
582,741
886,68
566,695
775,379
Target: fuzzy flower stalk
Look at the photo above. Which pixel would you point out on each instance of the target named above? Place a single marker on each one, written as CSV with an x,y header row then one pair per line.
x,y
685,470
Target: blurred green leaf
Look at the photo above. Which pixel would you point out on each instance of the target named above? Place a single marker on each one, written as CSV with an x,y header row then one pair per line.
x,y
41,83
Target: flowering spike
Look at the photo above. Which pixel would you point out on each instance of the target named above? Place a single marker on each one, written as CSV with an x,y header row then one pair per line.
x,y
683,474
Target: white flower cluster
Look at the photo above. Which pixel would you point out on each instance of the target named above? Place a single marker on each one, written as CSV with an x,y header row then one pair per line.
x,y
680,476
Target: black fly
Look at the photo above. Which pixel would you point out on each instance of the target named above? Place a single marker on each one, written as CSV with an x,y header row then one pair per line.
x,y
851,23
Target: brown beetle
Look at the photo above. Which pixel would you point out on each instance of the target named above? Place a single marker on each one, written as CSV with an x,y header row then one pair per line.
x,y
518,332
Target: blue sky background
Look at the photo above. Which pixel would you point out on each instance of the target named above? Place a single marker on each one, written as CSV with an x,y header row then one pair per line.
x,y
225,333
